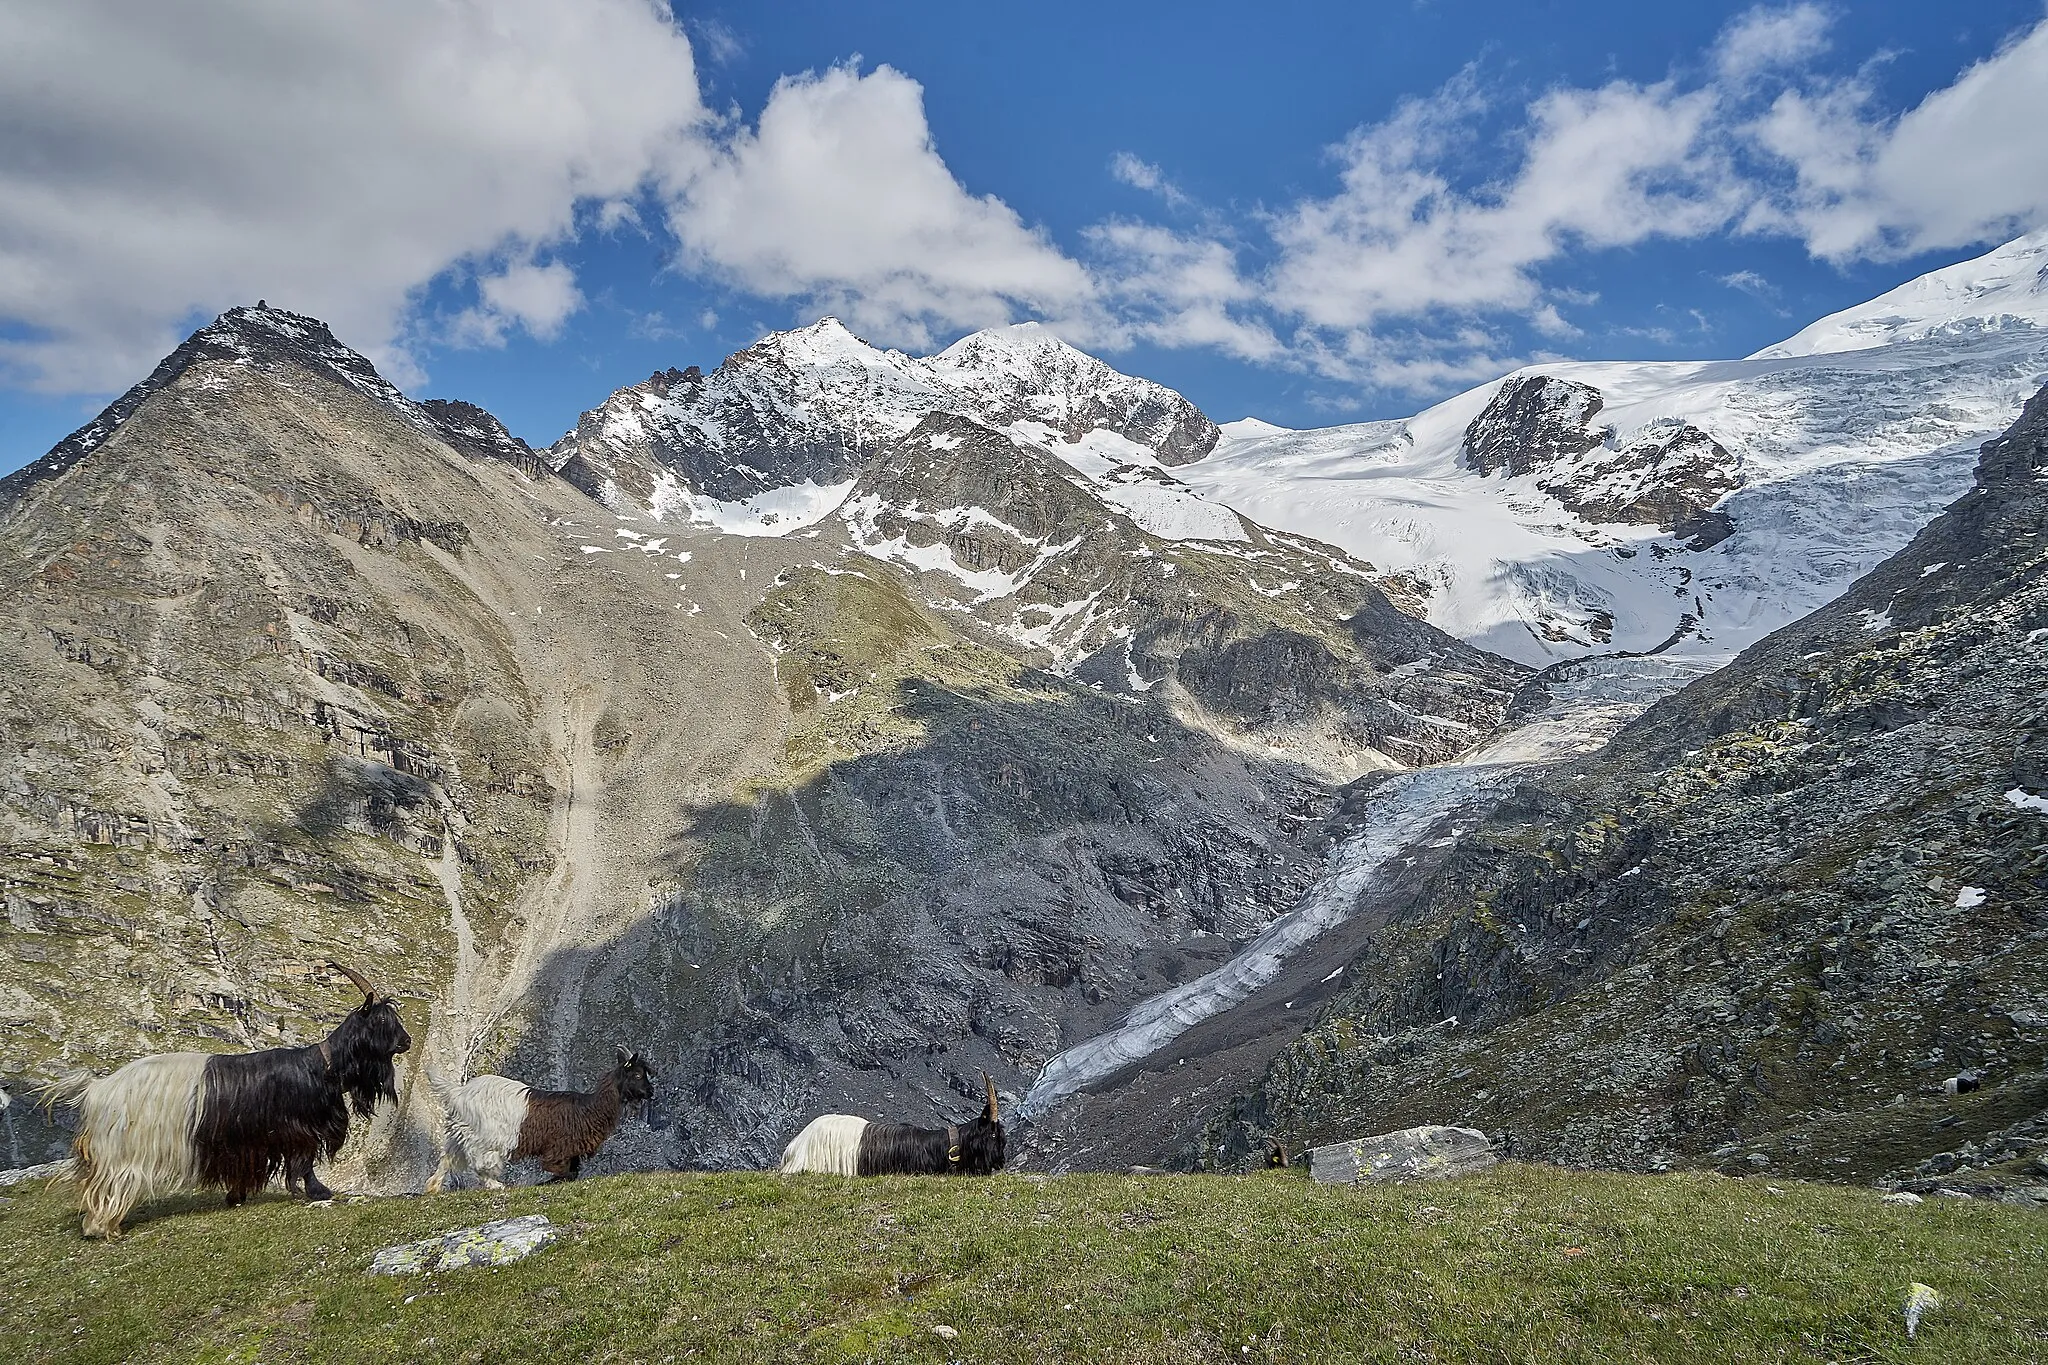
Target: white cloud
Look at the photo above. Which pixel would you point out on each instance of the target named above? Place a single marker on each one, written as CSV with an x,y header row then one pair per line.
x,y
1180,291
1769,37
538,298
1965,166
1402,241
165,161
1129,169
839,200
1751,283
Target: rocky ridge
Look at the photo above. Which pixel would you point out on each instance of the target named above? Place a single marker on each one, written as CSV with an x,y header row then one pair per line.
x,y
812,406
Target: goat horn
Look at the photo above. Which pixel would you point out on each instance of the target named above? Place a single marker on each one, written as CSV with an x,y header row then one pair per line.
x,y
993,1112
361,983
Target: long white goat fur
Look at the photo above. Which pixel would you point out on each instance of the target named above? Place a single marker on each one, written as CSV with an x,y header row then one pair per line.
x,y
484,1118
135,1133
829,1144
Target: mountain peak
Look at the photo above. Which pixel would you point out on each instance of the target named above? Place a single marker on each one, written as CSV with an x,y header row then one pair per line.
x,y
826,342
2000,290
268,338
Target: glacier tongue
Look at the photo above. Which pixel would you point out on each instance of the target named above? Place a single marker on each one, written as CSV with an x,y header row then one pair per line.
x,y
1588,702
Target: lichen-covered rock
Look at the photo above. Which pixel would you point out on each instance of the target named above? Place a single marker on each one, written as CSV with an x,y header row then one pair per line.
x,y
499,1243
1432,1151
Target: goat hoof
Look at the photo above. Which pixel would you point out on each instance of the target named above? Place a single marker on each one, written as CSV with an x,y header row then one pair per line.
x,y
317,1193
494,1184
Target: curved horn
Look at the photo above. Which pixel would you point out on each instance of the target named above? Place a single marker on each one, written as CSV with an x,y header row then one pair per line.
x,y
994,1115
361,984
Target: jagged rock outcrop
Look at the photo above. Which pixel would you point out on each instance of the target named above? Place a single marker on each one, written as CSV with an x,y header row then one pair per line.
x,y
813,406
476,433
1669,474
1762,926
1533,421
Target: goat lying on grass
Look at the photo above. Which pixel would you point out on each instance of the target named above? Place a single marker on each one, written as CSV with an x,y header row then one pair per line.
x,y
231,1120
841,1144
493,1119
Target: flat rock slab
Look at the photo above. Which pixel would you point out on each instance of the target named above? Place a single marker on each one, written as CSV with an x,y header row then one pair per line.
x,y
1431,1152
24,1173
496,1243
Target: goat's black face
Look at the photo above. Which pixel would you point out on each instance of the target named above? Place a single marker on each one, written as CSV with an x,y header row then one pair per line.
x,y
383,1029
636,1082
983,1147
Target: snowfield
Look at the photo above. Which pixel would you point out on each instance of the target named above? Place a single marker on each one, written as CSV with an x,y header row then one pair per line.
x,y
1850,437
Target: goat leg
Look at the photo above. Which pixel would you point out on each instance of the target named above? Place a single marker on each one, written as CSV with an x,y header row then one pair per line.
x,y
315,1190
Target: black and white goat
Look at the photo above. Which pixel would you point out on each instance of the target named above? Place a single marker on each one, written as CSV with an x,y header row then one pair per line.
x,y
493,1119
840,1144
229,1120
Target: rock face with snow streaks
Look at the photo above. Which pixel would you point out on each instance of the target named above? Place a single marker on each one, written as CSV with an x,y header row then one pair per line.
x,y
1534,421
1669,474
812,406
1269,636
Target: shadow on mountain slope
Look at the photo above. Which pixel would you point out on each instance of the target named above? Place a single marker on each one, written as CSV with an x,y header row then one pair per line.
x,y
872,935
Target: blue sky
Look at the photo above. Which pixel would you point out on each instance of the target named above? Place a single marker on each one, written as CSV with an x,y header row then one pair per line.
x,y
1308,212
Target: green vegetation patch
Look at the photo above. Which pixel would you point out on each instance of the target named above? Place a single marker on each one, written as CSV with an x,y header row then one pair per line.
x,y
1523,1264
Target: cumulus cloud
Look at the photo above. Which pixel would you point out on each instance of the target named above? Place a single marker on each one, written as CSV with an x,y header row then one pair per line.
x,y
1401,240
839,200
1179,291
1965,166
1398,279
1768,38
165,161
538,298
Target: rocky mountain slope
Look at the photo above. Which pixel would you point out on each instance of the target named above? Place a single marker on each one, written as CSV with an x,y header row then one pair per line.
x,y
839,724
1767,923
293,668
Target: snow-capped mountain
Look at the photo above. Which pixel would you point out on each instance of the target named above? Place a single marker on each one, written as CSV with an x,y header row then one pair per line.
x,y
1571,508
1998,291
755,445
1595,506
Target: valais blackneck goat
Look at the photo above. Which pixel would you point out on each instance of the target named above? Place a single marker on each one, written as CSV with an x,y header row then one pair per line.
x,y
492,1120
840,1144
230,1120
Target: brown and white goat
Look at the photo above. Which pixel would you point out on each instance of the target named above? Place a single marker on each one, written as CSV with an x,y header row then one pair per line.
x,y
494,1119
